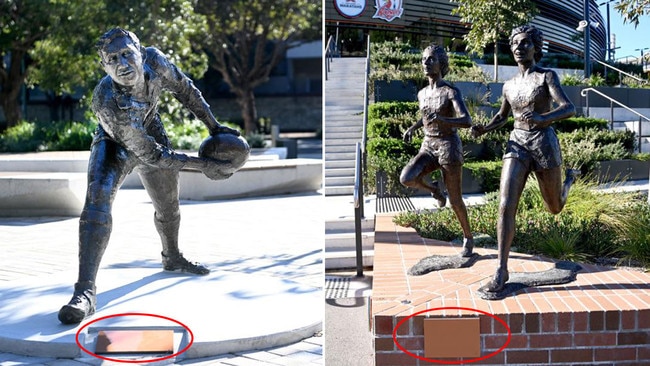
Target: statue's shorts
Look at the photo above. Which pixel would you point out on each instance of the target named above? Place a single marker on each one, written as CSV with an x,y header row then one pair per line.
x,y
538,149
447,149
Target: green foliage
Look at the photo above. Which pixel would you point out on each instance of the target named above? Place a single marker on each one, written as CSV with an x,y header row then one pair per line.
x,y
632,10
255,140
592,224
390,109
188,135
492,20
584,148
488,173
53,136
247,39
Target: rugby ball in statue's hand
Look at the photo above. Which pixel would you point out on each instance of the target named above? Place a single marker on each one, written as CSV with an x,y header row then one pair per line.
x,y
230,152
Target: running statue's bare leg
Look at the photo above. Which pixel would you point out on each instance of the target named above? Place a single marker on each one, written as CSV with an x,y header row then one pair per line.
x,y
416,175
452,176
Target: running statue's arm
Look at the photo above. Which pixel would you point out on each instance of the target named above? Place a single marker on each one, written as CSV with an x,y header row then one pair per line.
x,y
498,121
565,108
462,118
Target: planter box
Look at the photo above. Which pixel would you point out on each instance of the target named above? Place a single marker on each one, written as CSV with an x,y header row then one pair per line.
x,y
627,169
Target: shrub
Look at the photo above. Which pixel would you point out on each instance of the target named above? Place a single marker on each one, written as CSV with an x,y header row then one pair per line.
x,y
593,224
39,136
486,172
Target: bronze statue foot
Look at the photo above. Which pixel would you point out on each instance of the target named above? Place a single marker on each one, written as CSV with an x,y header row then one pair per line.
x,y
468,247
438,195
571,175
81,305
178,263
498,281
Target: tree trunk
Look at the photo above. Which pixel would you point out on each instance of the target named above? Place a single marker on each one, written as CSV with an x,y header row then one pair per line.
x,y
496,63
12,81
11,109
246,99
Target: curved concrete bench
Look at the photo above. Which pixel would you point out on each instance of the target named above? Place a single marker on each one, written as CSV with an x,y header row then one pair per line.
x,y
54,184
41,193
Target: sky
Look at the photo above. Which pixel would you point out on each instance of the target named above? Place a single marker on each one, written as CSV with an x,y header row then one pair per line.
x,y
628,38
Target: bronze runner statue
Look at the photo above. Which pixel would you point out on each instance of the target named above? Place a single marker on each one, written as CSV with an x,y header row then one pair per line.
x,y
533,145
443,111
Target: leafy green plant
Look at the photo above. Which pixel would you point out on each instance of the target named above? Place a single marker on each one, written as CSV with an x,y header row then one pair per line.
x,y
40,136
593,224
488,173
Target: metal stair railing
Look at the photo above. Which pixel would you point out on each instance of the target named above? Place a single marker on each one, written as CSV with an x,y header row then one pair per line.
x,y
359,169
329,55
620,79
585,93
358,209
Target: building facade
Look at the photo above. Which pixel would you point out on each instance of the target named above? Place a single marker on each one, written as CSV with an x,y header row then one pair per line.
x,y
558,19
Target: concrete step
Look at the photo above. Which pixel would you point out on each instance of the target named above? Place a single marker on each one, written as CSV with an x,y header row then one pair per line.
x,y
340,172
340,156
346,225
342,142
333,136
348,241
338,164
341,149
348,259
343,128
339,181
339,191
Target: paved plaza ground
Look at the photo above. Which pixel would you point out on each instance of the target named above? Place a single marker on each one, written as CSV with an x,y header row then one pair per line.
x,y
279,236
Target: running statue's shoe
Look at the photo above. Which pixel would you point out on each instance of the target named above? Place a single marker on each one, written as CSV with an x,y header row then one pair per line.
x,y
178,263
81,305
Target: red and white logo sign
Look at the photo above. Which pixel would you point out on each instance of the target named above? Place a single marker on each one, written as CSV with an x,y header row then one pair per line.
x,y
350,8
388,10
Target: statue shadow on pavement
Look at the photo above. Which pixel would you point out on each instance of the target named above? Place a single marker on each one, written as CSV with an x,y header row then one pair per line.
x,y
563,272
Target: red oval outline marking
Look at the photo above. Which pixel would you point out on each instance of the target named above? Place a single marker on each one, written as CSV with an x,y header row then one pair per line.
x,y
452,362
135,361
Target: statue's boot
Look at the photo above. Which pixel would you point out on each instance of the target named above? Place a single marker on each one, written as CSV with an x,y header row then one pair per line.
x,y
81,305
94,233
172,258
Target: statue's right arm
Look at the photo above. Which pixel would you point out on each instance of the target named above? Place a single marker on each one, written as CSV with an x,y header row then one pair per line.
x,y
131,134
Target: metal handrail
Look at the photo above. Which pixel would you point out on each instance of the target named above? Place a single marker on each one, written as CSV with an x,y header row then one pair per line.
x,y
359,169
358,208
621,72
585,93
328,56
365,98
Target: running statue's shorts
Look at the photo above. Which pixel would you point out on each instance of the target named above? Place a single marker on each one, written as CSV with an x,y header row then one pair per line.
x,y
447,149
538,149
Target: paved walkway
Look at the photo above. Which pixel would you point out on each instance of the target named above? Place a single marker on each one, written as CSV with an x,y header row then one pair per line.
x,y
279,236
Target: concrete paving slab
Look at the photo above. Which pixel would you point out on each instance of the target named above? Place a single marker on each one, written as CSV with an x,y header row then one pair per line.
x,y
225,311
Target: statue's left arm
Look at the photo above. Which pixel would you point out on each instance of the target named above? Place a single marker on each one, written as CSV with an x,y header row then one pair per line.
x,y
184,91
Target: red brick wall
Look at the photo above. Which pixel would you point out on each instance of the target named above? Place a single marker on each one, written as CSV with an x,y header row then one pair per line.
x,y
590,338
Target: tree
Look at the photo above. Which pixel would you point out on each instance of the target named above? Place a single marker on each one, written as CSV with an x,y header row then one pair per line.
x,y
246,39
23,24
51,43
632,10
492,20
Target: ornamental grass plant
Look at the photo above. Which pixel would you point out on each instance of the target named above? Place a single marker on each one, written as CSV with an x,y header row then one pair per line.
x,y
593,224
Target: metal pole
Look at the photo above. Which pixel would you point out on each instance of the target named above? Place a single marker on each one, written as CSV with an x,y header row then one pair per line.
x,y
358,209
587,40
611,115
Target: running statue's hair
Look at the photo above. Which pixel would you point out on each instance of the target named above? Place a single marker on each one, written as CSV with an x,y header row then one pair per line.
x,y
536,36
443,59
